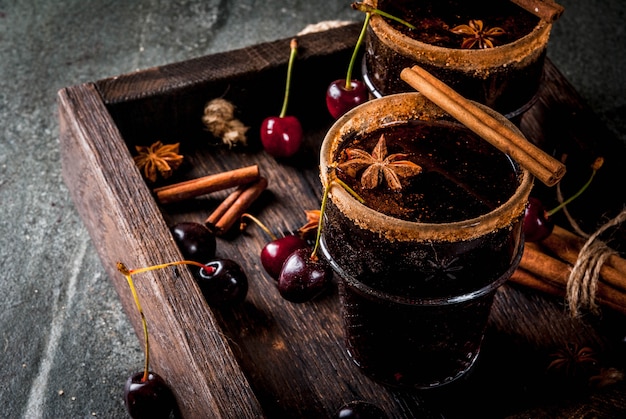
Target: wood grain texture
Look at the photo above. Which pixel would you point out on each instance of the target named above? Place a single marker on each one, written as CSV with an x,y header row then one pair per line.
x,y
269,357
188,348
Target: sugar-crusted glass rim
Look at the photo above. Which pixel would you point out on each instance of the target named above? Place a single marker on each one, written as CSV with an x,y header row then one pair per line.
x,y
468,59
401,107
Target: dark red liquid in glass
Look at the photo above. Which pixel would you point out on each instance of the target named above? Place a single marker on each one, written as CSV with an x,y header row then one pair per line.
x,y
415,311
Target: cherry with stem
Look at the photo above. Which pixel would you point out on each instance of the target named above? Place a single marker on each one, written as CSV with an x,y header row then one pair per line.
x,y
304,275
345,94
275,252
146,394
281,135
225,284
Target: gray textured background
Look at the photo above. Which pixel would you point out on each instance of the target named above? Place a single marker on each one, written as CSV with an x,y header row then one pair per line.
x,y
66,347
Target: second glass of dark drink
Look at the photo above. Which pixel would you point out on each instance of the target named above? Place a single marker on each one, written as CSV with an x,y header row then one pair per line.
x,y
501,66
438,231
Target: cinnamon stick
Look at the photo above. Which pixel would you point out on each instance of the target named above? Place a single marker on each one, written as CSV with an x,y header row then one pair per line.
x,y
569,249
543,166
527,279
544,265
238,207
207,184
221,209
546,10
614,261
523,277
556,272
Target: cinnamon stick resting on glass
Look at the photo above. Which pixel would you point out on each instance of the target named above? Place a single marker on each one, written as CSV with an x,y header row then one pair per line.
x,y
546,10
543,166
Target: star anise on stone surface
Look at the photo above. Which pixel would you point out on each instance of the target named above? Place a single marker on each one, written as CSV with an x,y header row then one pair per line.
x,y
379,167
158,159
477,35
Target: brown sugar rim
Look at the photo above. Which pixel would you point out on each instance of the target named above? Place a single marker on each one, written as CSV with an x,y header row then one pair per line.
x,y
469,60
408,106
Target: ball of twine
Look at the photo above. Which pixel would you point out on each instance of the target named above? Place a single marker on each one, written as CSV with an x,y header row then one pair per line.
x,y
583,280
219,119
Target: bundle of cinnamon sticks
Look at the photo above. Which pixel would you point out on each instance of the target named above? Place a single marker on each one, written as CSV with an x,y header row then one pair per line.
x,y
546,267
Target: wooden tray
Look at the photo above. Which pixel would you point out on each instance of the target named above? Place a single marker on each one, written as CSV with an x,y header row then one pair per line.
x,y
268,357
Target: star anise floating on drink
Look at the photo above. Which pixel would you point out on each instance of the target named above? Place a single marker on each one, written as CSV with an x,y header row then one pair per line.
x,y
379,167
477,35
158,159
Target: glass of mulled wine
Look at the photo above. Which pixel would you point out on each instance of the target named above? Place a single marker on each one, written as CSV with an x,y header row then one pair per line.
x,y
436,231
490,51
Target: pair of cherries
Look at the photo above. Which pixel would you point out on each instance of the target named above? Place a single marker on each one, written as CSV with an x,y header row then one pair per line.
x,y
222,281
281,135
299,274
289,260
302,275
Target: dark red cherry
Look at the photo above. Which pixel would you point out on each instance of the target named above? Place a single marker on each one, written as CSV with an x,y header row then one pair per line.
x,y
360,410
281,136
302,278
223,284
537,223
195,241
275,252
148,399
340,100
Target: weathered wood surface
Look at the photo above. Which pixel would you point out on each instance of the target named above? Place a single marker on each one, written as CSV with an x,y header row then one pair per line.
x,y
125,225
269,357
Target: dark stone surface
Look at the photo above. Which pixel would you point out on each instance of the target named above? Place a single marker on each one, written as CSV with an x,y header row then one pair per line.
x,y
65,345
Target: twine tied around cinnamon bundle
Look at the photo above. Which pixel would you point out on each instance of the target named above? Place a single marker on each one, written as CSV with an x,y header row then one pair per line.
x,y
582,283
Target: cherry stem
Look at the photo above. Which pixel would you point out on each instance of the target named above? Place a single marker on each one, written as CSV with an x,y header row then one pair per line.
x,y
128,273
349,189
594,169
320,222
366,8
122,268
294,50
258,222
209,269
355,53
323,208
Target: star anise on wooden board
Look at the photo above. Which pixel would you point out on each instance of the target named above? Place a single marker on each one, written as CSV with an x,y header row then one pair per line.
x,y
572,358
313,220
379,167
476,34
158,159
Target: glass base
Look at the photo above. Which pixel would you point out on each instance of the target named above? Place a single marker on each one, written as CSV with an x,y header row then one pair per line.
x,y
396,381
413,343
